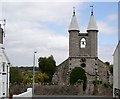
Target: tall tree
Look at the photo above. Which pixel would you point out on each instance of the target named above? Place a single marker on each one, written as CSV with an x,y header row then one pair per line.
x,y
111,69
15,75
107,63
48,66
26,80
110,66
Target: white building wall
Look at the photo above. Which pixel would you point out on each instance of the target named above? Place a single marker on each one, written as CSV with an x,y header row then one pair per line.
x,y
116,68
119,65
0,72
4,73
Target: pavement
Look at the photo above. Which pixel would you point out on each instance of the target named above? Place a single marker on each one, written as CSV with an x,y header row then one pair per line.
x,y
70,97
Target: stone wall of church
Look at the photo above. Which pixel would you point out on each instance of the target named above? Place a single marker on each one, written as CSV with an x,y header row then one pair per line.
x,y
61,75
93,47
103,71
95,69
89,68
73,43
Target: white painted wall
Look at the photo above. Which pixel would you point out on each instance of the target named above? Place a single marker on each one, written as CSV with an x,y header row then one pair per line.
x,y
116,68
0,74
26,94
4,73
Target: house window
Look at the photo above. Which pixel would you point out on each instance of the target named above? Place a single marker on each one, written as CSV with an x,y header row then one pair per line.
x,y
83,43
3,65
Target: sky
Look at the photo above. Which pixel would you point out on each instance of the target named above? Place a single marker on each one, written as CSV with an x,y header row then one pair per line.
x,y
43,27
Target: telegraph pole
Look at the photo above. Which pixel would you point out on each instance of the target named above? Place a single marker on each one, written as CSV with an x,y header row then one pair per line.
x,y
33,72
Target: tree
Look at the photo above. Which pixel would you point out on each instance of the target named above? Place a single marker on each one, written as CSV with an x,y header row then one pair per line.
x,y
111,69
41,77
48,66
15,75
110,66
26,80
78,74
107,63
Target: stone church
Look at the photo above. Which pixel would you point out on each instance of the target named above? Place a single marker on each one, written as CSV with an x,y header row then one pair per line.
x,y
83,52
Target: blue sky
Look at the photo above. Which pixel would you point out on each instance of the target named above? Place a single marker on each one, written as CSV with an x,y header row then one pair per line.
x,y
43,26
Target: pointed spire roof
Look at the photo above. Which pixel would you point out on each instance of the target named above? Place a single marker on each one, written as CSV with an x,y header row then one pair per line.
x,y
74,24
92,23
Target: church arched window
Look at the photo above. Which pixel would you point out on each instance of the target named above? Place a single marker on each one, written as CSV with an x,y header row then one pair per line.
x,y
83,43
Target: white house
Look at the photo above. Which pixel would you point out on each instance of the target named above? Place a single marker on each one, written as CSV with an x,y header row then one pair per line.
x,y
116,68
4,69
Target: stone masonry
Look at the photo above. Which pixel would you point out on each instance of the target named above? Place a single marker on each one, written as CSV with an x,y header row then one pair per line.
x,y
83,52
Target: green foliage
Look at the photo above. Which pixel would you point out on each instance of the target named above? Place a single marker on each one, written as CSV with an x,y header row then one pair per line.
x,y
10,93
107,63
16,76
26,80
97,82
48,66
107,85
78,74
41,77
79,82
111,69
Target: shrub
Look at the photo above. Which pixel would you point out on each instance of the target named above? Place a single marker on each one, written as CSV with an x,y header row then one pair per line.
x,y
108,85
78,74
95,82
79,81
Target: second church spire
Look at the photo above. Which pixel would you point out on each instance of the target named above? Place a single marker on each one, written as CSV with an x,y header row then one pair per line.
x,y
74,24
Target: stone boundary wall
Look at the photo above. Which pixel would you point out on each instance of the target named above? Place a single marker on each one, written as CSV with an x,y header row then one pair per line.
x,y
18,89
64,90
58,90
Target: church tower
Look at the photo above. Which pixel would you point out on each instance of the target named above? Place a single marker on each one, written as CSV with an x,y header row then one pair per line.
x,y
83,44
92,34
73,36
83,52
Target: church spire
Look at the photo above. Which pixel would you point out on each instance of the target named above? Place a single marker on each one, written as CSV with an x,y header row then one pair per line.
x,y
92,23
74,24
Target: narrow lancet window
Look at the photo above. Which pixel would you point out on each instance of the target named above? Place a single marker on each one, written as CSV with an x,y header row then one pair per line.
x,y
83,43
3,66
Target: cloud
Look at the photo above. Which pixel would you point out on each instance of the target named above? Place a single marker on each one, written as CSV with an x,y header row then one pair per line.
x,y
21,41
107,28
58,1
41,12
109,25
28,29
113,17
44,0
39,26
106,52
